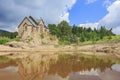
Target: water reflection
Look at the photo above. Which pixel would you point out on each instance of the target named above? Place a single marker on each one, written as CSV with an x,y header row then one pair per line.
x,y
9,73
5,62
63,68
35,67
51,67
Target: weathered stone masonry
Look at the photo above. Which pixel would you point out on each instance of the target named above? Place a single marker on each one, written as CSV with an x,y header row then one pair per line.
x,y
31,29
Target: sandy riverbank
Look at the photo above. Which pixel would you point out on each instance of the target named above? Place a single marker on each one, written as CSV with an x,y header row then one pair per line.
x,y
109,49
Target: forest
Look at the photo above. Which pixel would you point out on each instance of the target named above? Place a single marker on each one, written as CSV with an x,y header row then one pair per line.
x,y
8,34
74,34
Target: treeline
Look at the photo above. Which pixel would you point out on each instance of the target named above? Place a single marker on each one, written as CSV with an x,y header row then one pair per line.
x,y
7,34
74,34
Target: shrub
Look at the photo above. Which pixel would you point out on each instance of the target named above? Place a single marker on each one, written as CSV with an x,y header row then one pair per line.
x,y
64,42
16,39
53,37
4,40
29,38
42,35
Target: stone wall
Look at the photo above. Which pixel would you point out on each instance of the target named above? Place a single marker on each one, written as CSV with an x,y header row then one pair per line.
x,y
35,35
21,27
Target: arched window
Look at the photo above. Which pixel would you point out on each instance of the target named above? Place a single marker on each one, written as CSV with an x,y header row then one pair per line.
x,y
25,27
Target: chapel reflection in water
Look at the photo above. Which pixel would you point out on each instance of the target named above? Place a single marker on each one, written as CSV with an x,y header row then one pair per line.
x,y
36,67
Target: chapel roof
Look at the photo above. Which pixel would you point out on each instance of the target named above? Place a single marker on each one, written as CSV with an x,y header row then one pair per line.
x,y
33,21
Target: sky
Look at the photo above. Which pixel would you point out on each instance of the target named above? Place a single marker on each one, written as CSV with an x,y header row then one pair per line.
x,y
86,13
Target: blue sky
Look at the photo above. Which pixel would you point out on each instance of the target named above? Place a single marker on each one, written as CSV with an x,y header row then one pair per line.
x,y
86,13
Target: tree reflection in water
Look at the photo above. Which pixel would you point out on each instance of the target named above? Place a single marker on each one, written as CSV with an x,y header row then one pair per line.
x,y
35,67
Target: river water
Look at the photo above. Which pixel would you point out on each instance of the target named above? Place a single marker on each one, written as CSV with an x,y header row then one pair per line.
x,y
52,67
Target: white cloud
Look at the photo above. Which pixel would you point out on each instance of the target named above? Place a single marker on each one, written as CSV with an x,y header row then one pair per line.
x,y
116,30
65,17
112,19
91,25
90,1
52,11
107,3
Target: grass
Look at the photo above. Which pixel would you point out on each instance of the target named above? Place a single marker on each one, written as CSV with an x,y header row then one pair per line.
x,y
115,38
105,39
64,42
4,40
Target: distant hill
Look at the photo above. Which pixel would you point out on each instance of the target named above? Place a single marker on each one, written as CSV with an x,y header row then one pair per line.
x,y
8,34
3,31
